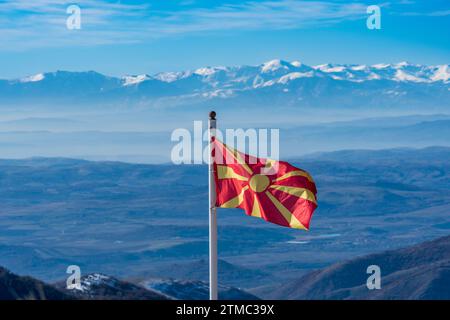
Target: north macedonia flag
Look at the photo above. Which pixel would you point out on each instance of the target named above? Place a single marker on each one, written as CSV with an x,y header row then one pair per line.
x,y
272,190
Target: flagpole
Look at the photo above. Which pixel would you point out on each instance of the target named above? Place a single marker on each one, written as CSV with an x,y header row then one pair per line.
x,y
213,294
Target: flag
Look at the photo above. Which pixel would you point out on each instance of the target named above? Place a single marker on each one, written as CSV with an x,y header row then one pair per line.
x,y
272,190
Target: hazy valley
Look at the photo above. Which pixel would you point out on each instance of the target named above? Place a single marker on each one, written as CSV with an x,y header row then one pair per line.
x,y
150,221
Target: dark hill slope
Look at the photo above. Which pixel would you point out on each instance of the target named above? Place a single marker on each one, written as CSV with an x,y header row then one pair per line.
x,y
417,272
14,287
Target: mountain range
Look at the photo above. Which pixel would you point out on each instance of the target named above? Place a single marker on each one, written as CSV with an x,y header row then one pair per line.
x,y
318,108
287,83
14,287
420,272
97,286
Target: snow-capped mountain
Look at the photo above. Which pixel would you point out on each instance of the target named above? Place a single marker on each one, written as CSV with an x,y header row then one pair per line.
x,y
279,71
97,286
275,72
275,81
282,72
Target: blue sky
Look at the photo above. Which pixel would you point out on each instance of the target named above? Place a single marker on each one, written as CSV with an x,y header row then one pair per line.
x,y
135,37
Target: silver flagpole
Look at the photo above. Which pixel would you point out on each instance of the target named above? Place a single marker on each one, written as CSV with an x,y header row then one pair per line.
x,y
213,295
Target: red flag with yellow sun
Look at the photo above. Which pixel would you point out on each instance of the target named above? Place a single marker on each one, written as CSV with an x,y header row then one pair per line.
x,y
272,190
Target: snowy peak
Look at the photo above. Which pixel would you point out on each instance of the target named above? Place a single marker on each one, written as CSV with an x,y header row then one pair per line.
x,y
225,82
441,73
274,65
97,286
359,67
402,64
329,68
208,71
96,279
295,75
296,63
401,75
130,80
278,66
401,72
33,78
381,66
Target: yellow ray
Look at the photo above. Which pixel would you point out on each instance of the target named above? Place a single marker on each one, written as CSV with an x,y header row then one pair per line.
x,y
290,218
237,156
294,174
236,201
225,172
256,210
298,192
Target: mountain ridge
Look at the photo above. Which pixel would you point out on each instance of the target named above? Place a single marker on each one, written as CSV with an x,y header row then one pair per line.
x,y
14,287
98,286
420,271
280,82
402,71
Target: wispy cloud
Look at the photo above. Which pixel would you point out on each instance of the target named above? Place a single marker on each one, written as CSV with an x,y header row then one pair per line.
x,y
436,8
42,23
285,14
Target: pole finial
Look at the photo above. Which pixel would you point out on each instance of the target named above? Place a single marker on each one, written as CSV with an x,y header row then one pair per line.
x,y
212,115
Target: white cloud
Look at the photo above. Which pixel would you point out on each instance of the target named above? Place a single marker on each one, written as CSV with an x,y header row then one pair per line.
x,y
41,23
284,14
